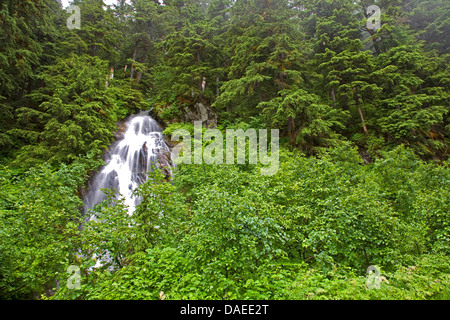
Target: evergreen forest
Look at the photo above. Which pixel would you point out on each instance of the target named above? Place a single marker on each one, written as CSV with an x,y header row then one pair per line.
x,y
364,130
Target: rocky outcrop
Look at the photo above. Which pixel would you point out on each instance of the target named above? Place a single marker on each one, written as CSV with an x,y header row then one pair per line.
x,y
121,128
165,162
200,112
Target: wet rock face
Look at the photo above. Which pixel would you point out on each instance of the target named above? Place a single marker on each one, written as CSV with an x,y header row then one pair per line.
x,y
121,128
200,112
165,162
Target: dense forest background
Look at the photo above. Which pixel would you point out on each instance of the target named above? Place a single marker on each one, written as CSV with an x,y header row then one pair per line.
x,y
364,128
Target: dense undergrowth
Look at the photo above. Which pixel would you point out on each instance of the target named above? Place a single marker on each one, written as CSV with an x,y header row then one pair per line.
x,y
363,177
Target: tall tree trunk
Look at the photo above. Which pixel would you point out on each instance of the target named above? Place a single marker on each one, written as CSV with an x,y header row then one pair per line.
x,y
291,130
362,119
132,64
217,87
359,109
30,84
333,96
111,75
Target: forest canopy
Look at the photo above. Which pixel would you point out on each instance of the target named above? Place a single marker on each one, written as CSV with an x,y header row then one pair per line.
x,y
363,179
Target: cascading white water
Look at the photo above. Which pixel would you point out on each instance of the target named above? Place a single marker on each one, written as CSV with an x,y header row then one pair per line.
x,y
128,161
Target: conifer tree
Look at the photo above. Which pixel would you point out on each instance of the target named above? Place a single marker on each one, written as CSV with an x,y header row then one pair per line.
x,y
431,21
28,38
71,115
99,35
192,61
415,99
263,49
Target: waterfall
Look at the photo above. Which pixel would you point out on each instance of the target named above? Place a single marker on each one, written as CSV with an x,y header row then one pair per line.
x,y
128,161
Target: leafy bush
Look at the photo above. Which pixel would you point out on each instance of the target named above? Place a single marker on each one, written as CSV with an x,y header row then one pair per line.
x,y
40,212
308,232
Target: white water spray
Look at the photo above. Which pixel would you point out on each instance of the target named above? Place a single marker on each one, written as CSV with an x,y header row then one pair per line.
x,y
128,161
